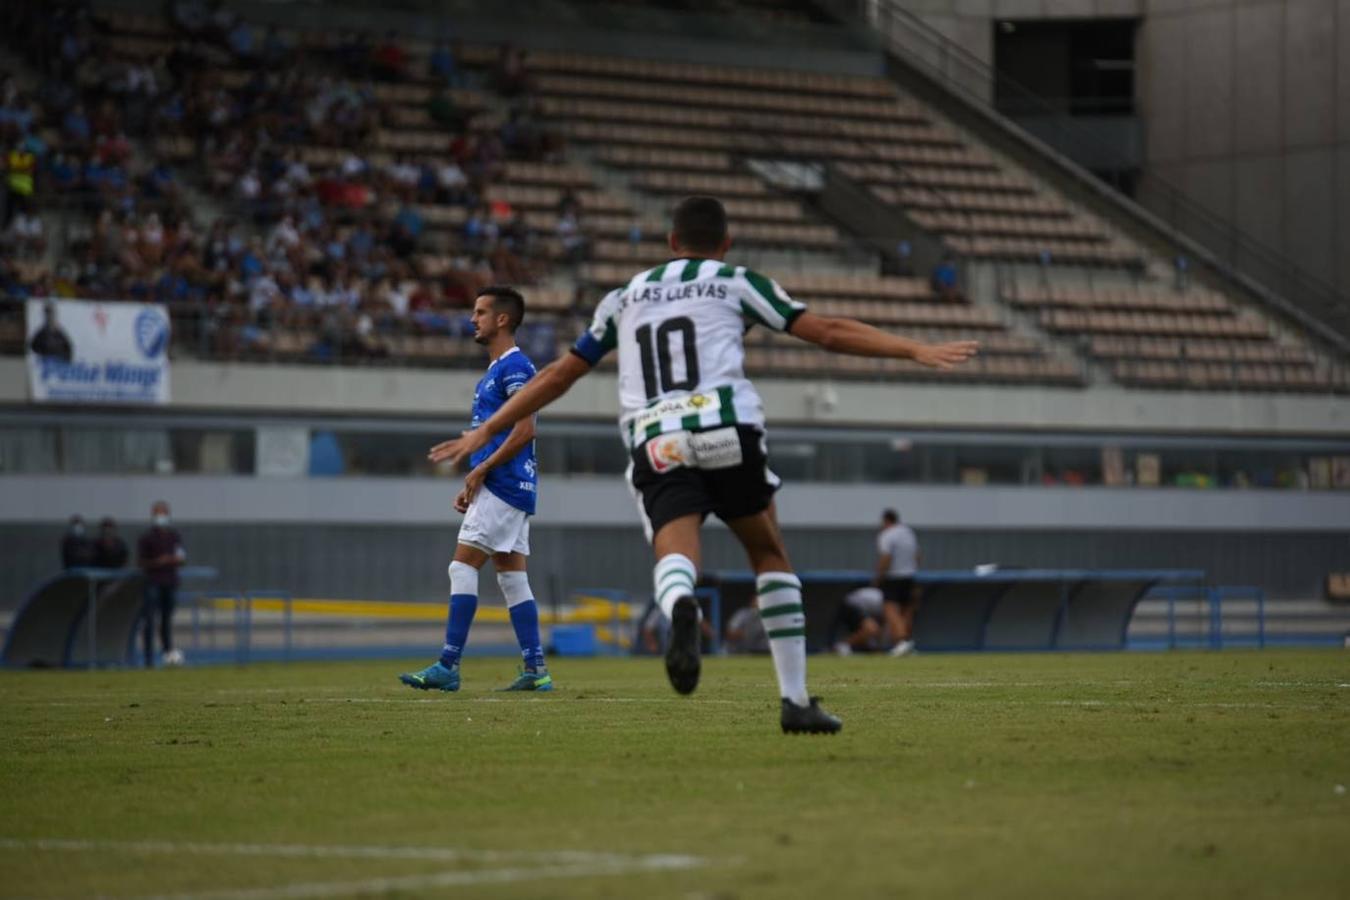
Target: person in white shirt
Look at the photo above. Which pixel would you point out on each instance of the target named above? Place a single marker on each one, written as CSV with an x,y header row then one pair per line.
x,y
897,561
859,625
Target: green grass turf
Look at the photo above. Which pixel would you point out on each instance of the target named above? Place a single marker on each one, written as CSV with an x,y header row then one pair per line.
x,y
1158,775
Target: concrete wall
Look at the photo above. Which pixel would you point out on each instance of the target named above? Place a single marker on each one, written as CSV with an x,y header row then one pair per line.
x,y
1246,105
356,390
408,562
969,24
391,538
1246,110
604,501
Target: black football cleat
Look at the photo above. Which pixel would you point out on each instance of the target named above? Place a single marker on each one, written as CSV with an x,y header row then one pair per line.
x,y
810,719
682,656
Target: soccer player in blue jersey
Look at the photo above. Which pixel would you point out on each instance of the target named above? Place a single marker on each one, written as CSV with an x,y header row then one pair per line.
x,y
497,501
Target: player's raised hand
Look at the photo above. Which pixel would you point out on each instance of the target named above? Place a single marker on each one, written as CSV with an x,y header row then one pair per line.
x,y
456,449
946,356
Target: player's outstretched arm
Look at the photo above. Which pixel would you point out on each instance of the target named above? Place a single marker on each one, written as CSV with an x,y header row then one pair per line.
x,y
840,335
548,385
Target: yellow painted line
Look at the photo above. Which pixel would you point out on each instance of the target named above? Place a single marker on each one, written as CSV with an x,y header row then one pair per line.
x,y
591,610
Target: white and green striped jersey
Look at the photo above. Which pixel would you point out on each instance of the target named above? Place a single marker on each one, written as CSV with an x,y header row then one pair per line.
x,y
679,329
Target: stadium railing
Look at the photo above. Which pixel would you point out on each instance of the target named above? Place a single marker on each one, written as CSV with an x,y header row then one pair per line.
x,y
47,632
203,606
1213,598
1234,256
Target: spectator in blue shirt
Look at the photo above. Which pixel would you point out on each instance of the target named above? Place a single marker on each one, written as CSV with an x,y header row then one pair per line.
x,y
62,172
241,40
944,279
75,125
406,230
441,64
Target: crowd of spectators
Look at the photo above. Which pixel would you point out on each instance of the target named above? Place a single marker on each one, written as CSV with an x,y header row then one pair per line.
x,y
342,249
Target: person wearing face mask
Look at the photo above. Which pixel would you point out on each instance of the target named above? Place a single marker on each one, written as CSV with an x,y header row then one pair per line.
x,y
110,551
160,553
77,550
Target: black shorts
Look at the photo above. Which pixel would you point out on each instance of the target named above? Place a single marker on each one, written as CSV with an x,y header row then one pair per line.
x,y
899,590
851,618
667,490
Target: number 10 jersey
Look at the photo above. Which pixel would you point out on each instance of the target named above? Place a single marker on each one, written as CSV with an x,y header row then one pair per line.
x,y
680,329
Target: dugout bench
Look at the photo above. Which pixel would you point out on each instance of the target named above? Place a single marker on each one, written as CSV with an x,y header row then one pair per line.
x,y
83,617
1005,609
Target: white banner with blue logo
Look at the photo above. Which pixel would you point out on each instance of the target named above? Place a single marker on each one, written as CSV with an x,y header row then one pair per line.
x,y
81,351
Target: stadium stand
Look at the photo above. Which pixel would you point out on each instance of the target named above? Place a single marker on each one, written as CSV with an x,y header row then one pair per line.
x,y
307,195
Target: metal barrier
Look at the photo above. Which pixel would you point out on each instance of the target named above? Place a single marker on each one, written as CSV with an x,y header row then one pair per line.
x,y
242,611
287,616
48,628
1213,598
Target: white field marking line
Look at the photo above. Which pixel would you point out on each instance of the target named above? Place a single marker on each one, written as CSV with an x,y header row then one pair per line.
x,y
342,851
560,701
1301,684
890,686
555,864
1077,683
417,883
1170,704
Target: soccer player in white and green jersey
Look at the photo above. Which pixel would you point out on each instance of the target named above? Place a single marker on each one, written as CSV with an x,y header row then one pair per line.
x,y
694,427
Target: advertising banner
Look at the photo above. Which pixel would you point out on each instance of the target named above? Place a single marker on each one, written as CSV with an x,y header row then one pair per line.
x,y
87,352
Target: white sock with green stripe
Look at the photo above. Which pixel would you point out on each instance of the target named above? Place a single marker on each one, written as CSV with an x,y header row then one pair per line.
x,y
674,578
780,609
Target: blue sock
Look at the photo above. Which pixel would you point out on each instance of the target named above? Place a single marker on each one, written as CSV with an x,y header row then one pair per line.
x,y
462,609
525,619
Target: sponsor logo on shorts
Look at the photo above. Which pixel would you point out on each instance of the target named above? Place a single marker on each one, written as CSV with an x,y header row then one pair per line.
x,y
718,449
668,451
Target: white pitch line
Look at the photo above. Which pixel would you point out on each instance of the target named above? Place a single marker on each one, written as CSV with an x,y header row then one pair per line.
x,y
417,883
1171,705
538,865
559,702
341,851
1301,684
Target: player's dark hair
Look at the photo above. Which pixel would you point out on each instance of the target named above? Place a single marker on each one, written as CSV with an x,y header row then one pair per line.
x,y
506,300
890,516
700,224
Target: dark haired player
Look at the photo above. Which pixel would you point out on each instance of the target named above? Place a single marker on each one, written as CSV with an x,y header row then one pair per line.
x,y
694,426
497,500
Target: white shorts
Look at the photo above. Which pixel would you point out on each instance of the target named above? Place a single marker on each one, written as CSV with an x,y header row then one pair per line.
x,y
495,526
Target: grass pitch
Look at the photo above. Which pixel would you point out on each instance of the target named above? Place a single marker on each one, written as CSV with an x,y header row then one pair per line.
x,y
1185,774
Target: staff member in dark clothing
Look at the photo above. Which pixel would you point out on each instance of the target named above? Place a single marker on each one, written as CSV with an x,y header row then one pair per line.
x,y
77,550
159,553
110,551
51,340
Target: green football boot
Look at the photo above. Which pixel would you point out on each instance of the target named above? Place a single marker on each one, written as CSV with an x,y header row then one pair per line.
x,y
435,677
531,681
